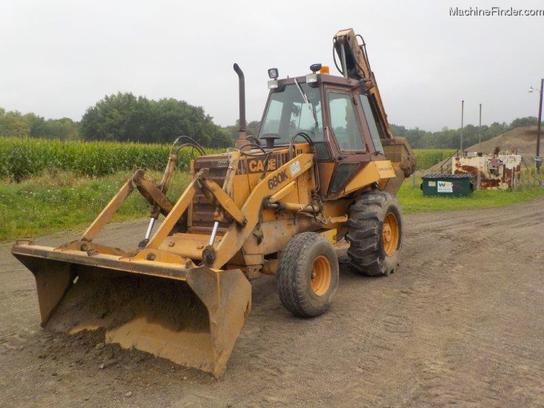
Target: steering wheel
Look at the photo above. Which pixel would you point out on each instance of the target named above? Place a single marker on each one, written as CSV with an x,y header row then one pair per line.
x,y
270,138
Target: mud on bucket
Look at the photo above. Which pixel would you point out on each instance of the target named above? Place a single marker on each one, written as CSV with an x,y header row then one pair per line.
x,y
193,322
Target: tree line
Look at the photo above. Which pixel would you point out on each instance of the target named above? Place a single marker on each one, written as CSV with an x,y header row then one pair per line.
x,y
423,139
123,117
450,138
13,123
126,117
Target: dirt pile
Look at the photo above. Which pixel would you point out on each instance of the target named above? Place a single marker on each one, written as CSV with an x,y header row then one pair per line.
x,y
521,140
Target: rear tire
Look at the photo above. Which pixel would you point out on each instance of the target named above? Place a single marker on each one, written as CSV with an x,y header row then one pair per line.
x,y
307,275
374,234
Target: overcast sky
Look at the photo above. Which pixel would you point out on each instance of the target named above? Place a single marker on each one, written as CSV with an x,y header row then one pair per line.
x,y
60,57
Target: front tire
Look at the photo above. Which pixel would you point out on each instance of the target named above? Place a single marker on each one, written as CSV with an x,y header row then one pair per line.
x,y
307,275
374,234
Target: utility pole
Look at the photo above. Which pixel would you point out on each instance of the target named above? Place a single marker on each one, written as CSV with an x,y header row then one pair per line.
x,y
462,121
538,159
480,130
478,175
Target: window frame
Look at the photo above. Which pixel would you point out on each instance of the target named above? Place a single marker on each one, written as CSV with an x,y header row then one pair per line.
x,y
367,123
348,94
291,82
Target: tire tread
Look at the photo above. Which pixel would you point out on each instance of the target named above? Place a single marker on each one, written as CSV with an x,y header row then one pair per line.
x,y
293,260
364,233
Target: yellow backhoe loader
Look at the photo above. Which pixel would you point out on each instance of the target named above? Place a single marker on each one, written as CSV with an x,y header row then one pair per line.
x,y
322,170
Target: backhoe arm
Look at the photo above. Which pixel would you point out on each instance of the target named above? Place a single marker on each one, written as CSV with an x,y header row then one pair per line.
x,y
354,64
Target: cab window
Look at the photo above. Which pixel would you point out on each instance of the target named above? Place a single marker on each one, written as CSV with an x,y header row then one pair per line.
x,y
372,125
273,117
344,122
291,111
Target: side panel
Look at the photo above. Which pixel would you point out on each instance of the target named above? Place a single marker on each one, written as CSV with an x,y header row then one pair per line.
x,y
373,172
235,237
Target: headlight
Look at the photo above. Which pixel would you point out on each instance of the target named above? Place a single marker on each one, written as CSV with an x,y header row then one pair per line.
x,y
273,84
311,78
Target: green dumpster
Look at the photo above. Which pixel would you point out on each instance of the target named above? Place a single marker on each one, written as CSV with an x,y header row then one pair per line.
x,y
452,185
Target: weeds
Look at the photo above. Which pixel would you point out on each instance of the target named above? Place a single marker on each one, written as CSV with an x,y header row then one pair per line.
x,y
54,203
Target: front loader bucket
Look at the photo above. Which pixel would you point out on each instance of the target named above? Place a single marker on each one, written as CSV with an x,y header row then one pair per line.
x,y
189,316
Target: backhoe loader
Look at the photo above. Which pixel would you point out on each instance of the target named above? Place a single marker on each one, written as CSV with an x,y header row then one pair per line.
x,y
322,171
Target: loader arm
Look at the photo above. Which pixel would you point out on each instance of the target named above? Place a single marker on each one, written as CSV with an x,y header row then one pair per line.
x,y
274,181
224,201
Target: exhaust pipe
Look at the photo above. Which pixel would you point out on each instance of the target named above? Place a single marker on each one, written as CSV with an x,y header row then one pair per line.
x,y
242,136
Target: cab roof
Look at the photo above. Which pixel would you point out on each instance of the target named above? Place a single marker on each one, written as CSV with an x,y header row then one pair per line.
x,y
321,78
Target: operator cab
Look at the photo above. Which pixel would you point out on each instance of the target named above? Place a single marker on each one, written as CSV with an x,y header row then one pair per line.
x,y
329,109
333,112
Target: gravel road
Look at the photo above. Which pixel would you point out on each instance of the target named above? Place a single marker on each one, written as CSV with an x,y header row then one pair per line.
x,y
460,323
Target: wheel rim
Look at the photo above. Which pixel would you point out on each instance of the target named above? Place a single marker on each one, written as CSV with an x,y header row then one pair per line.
x,y
391,234
321,275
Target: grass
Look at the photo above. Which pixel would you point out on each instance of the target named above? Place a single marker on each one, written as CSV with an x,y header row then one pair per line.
x,y
45,204
412,199
61,201
57,190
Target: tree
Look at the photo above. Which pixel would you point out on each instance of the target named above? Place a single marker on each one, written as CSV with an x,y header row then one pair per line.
x,y
449,138
521,122
125,117
252,129
14,123
116,117
64,128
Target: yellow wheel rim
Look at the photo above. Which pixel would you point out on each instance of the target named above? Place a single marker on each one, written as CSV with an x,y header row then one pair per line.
x,y
321,275
391,234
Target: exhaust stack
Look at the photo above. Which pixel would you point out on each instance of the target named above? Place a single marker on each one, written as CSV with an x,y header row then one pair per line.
x,y
242,135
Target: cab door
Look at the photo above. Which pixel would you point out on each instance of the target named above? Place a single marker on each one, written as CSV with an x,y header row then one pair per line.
x,y
349,139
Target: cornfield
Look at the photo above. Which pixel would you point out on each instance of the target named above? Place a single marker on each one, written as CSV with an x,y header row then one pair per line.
x,y
21,158
427,158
